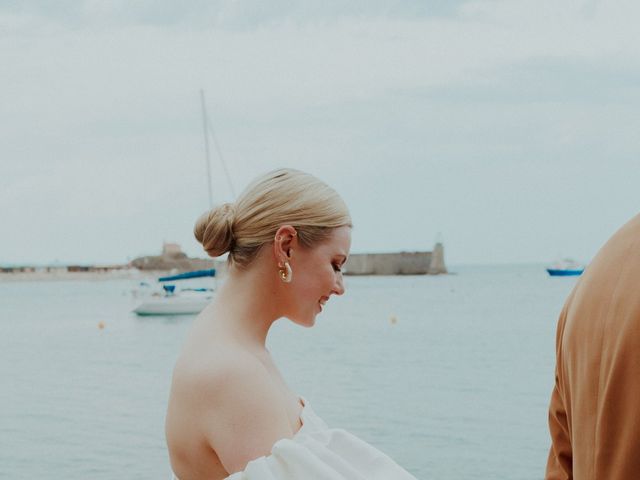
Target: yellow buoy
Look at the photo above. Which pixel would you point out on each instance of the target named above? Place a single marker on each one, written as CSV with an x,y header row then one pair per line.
x,y
393,320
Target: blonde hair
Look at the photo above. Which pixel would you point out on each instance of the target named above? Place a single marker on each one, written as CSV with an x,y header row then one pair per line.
x,y
280,197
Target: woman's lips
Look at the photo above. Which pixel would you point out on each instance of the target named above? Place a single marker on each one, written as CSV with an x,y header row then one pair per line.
x,y
322,302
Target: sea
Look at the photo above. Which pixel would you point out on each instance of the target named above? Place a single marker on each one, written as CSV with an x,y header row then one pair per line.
x,y
449,375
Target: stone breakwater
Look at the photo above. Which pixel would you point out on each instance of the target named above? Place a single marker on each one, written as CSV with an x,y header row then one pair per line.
x,y
401,263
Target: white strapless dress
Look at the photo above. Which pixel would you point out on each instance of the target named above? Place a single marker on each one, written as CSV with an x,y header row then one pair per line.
x,y
317,452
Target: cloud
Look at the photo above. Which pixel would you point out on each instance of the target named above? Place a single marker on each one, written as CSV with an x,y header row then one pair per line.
x,y
231,14
444,114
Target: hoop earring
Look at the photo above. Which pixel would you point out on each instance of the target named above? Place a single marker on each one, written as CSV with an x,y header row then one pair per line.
x,y
286,274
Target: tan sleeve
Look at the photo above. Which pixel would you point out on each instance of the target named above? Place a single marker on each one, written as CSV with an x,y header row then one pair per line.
x,y
560,461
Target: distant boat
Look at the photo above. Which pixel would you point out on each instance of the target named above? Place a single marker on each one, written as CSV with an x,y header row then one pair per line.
x,y
188,301
565,268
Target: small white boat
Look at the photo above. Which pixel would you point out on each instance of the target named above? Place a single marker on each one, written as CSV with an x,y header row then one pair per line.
x,y
188,301
183,303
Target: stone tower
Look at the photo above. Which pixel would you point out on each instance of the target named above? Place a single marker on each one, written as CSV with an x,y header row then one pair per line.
x,y
437,260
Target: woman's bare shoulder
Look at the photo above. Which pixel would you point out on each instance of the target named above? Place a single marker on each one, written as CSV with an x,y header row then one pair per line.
x,y
239,409
220,367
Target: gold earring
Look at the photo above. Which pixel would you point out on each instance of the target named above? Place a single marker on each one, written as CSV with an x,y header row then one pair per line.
x,y
286,274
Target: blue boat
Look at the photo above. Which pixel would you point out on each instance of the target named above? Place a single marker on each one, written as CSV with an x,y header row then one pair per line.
x,y
554,272
565,268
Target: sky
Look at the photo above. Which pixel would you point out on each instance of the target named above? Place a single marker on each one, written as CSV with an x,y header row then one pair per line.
x,y
509,129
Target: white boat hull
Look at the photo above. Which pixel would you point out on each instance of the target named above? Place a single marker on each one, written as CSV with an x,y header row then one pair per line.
x,y
173,305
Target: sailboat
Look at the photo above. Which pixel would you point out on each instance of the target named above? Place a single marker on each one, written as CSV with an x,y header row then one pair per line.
x,y
188,301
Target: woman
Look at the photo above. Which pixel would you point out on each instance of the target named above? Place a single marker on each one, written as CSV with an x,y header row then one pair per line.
x,y
230,412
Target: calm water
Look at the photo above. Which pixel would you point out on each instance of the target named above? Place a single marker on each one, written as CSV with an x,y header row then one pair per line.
x,y
457,388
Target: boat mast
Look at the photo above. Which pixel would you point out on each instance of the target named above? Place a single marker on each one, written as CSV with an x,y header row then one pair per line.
x,y
205,126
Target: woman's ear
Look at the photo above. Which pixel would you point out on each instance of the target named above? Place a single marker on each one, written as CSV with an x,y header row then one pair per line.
x,y
284,242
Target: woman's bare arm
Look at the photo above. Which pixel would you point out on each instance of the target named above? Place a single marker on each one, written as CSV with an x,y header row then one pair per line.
x,y
243,412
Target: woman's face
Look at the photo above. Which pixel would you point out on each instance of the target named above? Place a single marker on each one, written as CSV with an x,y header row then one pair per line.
x,y
317,274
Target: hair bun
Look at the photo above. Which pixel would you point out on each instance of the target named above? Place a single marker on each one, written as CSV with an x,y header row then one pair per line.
x,y
214,230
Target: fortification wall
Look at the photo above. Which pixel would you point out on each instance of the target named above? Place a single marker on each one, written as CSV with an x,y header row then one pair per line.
x,y
401,263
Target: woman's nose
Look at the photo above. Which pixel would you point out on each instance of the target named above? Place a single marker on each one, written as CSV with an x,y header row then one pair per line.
x,y
338,288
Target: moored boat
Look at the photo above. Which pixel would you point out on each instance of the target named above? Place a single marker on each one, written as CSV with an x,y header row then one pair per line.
x,y
565,268
187,301
177,304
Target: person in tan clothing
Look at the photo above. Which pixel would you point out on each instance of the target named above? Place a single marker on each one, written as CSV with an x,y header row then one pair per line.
x,y
594,414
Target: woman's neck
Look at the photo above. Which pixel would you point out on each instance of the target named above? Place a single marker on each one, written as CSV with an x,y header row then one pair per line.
x,y
245,306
